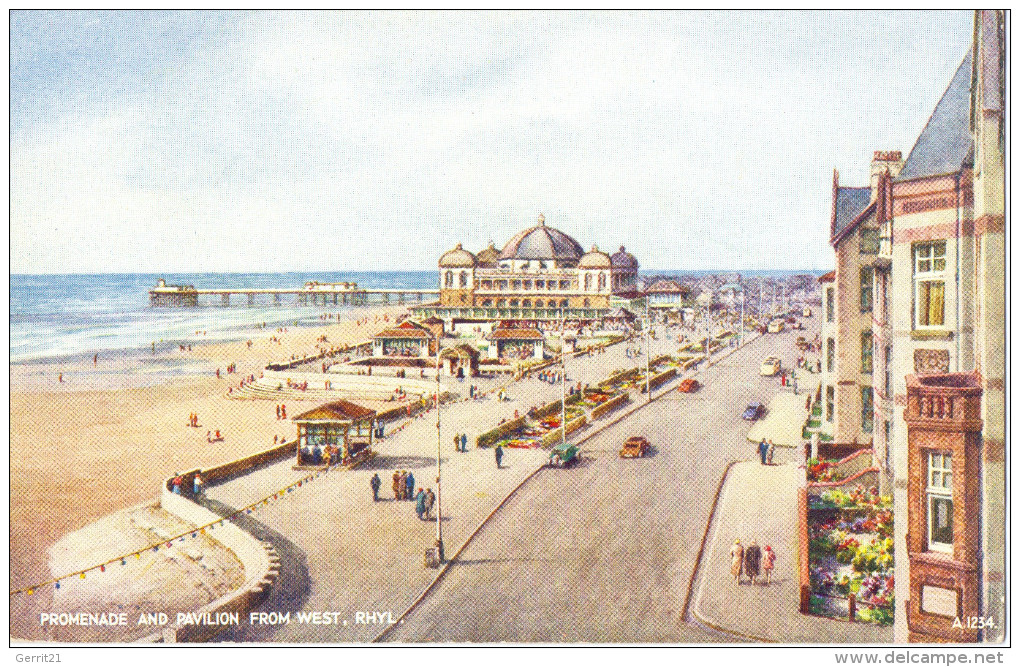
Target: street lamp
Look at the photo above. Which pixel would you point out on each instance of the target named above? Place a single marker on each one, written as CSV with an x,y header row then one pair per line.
x,y
741,318
439,458
648,354
563,379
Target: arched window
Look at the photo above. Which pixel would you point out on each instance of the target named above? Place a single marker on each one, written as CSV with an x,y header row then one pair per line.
x,y
486,303
526,303
514,303
501,303
587,302
449,279
563,303
587,282
463,278
538,303
602,281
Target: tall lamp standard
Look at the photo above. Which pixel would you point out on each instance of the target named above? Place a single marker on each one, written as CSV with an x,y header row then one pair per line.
x,y
741,318
648,354
439,464
563,379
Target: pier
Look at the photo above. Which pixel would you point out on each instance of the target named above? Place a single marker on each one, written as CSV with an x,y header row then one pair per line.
x,y
312,293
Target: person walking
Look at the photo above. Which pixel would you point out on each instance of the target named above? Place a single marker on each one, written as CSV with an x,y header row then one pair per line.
x,y
463,442
752,561
770,452
499,456
410,486
375,483
430,500
419,504
736,560
763,449
196,485
456,442
402,486
768,562
396,485
178,481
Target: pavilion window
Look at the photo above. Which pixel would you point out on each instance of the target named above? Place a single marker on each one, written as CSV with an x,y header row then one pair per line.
x,y
539,284
830,403
449,279
517,284
930,284
939,494
564,284
527,284
463,278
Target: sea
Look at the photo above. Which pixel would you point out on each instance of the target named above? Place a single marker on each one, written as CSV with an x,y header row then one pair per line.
x,y
73,316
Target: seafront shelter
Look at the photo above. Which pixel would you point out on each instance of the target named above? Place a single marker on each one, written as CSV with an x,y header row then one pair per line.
x,y
408,339
517,344
460,360
341,427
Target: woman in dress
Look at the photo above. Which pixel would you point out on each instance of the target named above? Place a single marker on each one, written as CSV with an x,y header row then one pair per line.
x,y
768,562
736,560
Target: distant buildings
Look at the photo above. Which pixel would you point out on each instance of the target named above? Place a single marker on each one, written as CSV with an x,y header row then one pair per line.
x,y
913,348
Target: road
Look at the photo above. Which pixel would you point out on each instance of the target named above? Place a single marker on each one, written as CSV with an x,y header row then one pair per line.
x,y
605,552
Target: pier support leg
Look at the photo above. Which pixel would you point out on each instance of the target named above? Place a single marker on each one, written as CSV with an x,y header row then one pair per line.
x,y
225,299
251,299
276,299
334,299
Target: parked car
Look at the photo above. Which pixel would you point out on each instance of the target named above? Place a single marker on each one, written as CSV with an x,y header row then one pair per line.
x,y
776,325
635,447
753,411
563,455
688,386
771,366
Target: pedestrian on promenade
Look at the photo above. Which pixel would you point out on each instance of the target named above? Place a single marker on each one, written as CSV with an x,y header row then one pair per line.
x,y
768,562
396,485
410,486
736,560
463,442
419,504
430,500
770,452
499,456
403,485
456,442
178,481
375,483
196,485
763,449
277,411
752,561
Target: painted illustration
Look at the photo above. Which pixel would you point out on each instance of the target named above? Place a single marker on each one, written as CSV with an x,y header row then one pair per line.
x,y
484,327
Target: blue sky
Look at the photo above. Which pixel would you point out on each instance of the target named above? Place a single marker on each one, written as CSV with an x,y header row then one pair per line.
x,y
194,141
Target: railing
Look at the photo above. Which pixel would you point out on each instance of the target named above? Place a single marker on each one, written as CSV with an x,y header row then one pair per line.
x,y
947,397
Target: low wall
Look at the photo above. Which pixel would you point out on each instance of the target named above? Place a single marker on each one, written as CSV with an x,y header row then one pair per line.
x,y
858,461
500,432
399,412
556,435
260,561
238,466
622,375
660,379
610,405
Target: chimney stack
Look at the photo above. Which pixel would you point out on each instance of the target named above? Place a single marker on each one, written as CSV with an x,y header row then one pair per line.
x,y
880,162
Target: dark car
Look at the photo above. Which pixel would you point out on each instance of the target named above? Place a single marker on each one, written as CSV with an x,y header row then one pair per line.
x,y
635,447
753,411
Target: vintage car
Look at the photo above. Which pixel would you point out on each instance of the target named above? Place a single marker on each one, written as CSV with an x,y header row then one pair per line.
x,y
635,447
776,325
688,386
770,366
563,455
753,411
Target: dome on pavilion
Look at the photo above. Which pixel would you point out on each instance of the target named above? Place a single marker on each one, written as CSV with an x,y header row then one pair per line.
x,y
541,242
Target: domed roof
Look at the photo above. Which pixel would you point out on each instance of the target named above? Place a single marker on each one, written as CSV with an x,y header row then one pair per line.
x,y
457,258
488,257
596,259
541,242
624,260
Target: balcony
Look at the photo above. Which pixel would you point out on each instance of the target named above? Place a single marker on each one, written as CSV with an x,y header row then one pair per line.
x,y
885,245
945,401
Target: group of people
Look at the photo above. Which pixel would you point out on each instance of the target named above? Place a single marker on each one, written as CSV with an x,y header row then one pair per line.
x,y
403,485
752,561
460,442
327,456
193,420
281,411
196,484
766,449
552,377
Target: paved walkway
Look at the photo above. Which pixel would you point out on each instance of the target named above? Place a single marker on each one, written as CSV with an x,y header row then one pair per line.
x,y
783,424
760,502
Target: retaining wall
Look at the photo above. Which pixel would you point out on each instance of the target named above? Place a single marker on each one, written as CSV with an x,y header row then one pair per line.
x,y
610,405
500,432
660,379
556,435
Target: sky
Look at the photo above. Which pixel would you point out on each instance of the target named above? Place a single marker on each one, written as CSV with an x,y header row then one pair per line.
x,y
255,141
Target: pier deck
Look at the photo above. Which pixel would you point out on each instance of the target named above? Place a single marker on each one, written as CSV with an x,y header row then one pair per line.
x,y
346,294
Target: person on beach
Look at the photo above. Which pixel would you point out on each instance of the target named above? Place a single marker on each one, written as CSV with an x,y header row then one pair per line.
x,y
752,560
499,456
410,486
178,481
95,359
375,483
463,442
768,563
736,560
196,485
419,504
60,377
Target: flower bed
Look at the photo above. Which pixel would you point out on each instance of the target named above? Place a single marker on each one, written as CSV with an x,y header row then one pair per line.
x,y
850,552
823,471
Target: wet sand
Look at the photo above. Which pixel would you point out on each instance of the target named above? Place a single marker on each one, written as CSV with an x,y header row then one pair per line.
x,y
79,452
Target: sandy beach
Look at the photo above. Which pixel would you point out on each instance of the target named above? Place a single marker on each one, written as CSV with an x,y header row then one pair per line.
x,y
99,442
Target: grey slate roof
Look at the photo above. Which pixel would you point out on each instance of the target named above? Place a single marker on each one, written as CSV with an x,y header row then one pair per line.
x,y
541,242
849,204
945,142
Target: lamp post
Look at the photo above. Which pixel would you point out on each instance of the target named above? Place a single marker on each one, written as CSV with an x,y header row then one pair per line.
x,y
439,458
563,379
741,318
648,354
